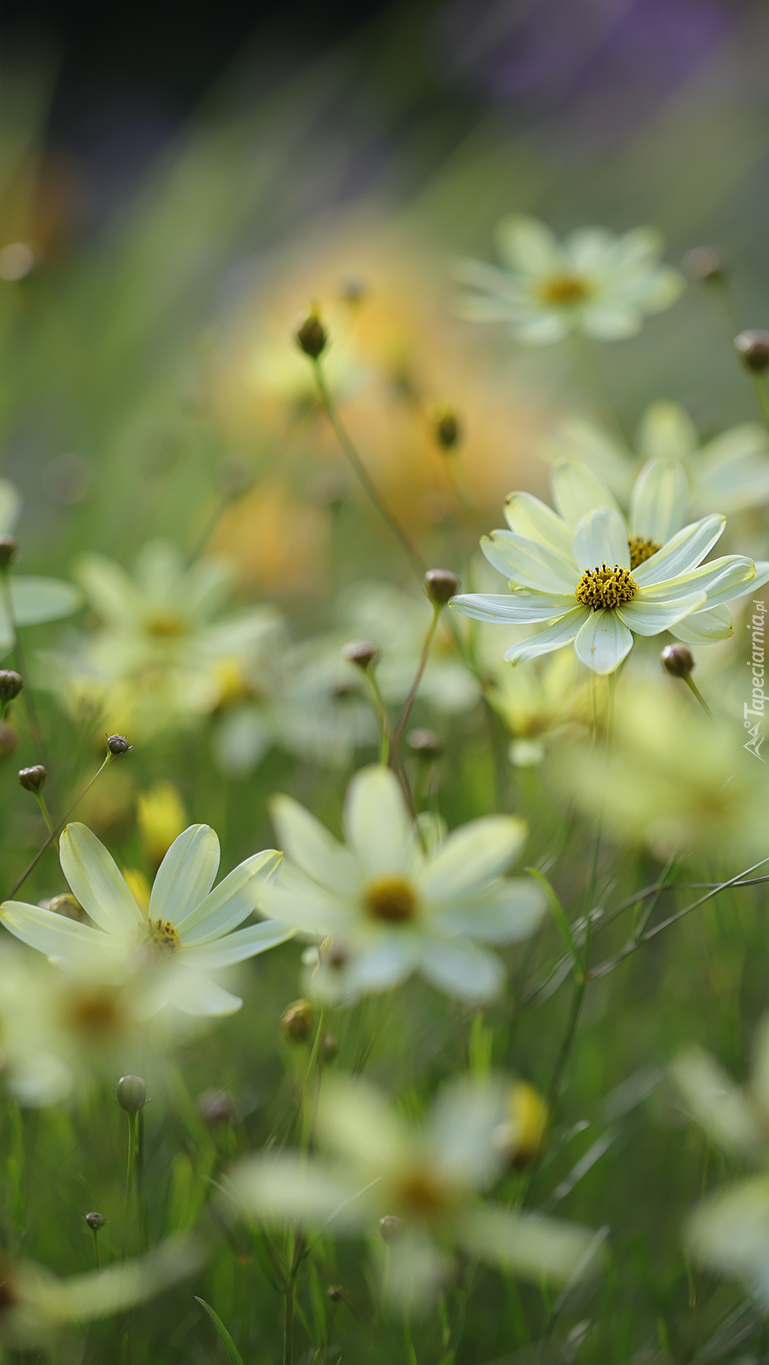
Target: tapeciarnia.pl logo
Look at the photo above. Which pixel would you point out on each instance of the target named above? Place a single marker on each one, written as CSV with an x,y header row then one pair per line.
x,y
753,711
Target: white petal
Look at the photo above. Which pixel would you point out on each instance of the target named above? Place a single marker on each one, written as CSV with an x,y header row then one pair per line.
x,y
42,599
560,633
531,564
96,882
186,874
721,579
462,1125
660,501
504,913
577,490
460,969
289,1188
517,608
296,900
685,551
360,1124
232,901
194,993
603,642
612,321
545,328
530,517
528,245
732,471
592,444
384,962
704,627
649,618
528,1244
472,855
667,432
55,935
237,947
601,538
377,823
312,848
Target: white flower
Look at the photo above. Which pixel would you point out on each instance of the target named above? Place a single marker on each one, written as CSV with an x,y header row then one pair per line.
x,y
593,282
729,473
579,580
390,908
169,952
423,1180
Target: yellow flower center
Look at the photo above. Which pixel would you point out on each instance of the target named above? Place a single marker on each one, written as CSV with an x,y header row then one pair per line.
x,y
563,290
604,589
641,550
93,1013
391,898
166,626
420,1195
160,936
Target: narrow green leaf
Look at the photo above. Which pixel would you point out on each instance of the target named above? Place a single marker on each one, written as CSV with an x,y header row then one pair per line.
x,y
224,1336
562,921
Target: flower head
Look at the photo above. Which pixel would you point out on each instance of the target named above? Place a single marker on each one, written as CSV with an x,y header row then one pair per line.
x,y
593,282
385,907
169,951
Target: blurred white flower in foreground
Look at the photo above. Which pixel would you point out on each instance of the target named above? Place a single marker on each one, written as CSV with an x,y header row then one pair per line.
x,y
34,600
169,951
729,473
390,907
579,581
729,1232
593,282
36,1305
413,1190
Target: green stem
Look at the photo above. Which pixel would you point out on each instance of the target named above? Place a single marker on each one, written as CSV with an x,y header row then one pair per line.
x,y
57,829
21,667
130,1170
411,698
327,403
288,1325
762,394
381,714
45,813
96,1255
693,688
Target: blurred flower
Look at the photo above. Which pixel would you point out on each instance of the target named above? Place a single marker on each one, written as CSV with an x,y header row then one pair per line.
x,y
161,817
424,1181
540,706
391,908
168,952
727,474
673,779
580,583
34,600
593,282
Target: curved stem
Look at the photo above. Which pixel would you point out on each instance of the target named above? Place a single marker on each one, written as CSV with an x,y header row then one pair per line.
x,y
57,829
411,698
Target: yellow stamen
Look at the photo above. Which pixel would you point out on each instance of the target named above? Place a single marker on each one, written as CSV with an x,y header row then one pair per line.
x,y
604,589
391,898
166,627
161,936
641,550
563,290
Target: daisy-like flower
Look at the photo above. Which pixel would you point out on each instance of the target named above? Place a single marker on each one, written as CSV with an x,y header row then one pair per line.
x,y
168,952
592,585
386,907
593,282
729,473
415,1187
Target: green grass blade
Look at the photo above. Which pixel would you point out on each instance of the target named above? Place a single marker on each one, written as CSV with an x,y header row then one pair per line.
x,y
224,1336
562,921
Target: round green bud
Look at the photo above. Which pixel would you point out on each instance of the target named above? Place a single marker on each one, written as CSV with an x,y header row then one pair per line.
x,y
390,1228
216,1107
95,1221
335,1292
704,263
441,585
329,1047
131,1093
33,779
311,336
11,684
677,660
362,653
296,1022
752,347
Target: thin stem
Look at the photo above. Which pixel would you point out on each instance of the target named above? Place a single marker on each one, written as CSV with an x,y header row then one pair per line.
x,y
57,829
329,407
762,394
21,666
45,813
288,1325
411,698
96,1254
693,688
381,715
130,1168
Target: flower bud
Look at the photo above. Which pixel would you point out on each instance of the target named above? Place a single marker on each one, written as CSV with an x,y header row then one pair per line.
x,y
329,1047
752,347
9,740
425,743
131,1093
66,905
9,548
335,1292
216,1107
118,744
10,684
677,660
33,779
704,263
441,584
520,1140
311,336
296,1022
95,1221
362,653
447,429
390,1228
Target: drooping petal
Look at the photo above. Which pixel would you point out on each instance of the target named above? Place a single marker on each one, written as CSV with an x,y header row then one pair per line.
x,y
506,912
237,947
56,936
601,538
649,618
186,874
560,633
528,1244
377,824
530,517
96,882
236,897
704,627
460,969
603,642
529,563
472,855
312,848
683,552
660,501
517,608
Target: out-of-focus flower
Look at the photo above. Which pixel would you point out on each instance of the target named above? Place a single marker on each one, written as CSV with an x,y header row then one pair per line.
x,y
673,779
34,600
423,1181
579,581
729,473
169,952
593,282
161,817
541,706
36,1305
388,906
729,1232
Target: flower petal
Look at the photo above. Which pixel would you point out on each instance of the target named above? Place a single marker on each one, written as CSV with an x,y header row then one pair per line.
x,y
528,1244
530,517
504,913
660,501
312,848
298,901
560,633
649,618
237,947
194,993
186,874
528,245
722,579
461,970
289,1188
529,563
601,538
358,1122
603,642
385,961
58,937
685,551
517,608
472,855
704,627
96,882
236,897
667,432
577,490
377,824
42,599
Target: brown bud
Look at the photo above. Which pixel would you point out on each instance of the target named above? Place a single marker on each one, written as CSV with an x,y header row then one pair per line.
x,y
311,336
704,263
441,584
390,1228
216,1107
362,653
10,684
677,660
335,1293
9,548
95,1221
33,779
296,1022
447,429
752,347
66,905
329,1047
9,740
425,743
118,744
